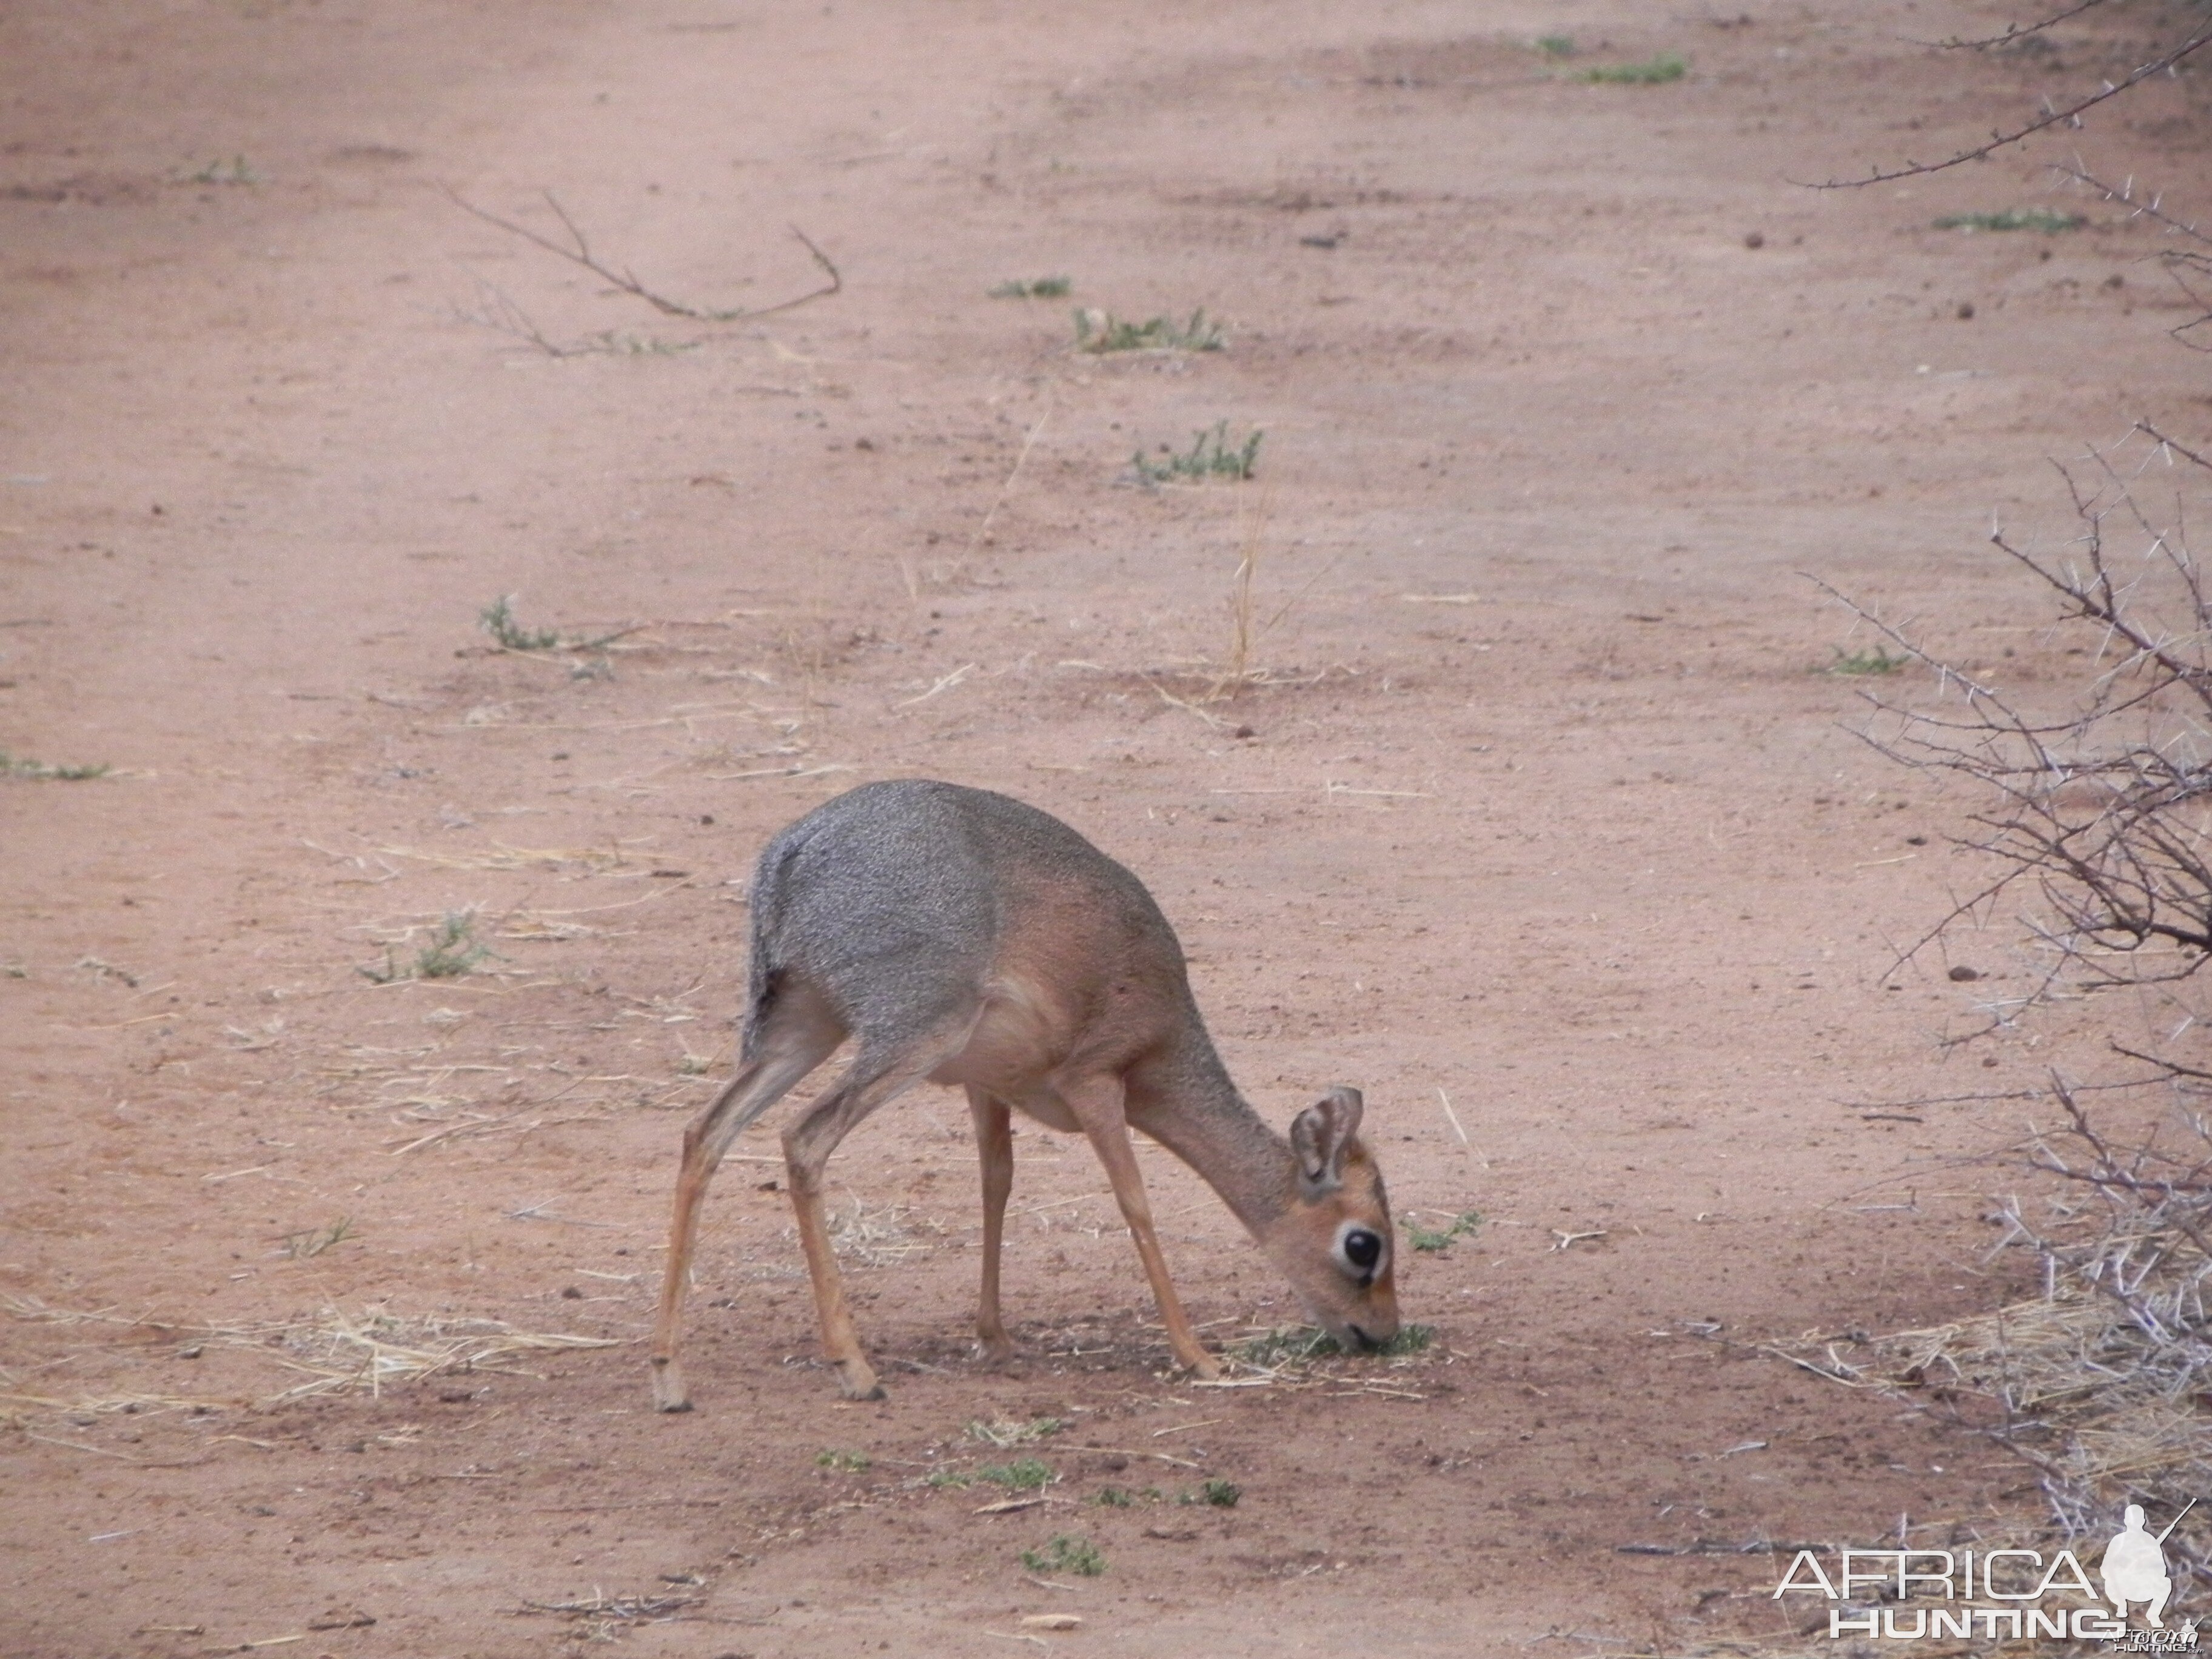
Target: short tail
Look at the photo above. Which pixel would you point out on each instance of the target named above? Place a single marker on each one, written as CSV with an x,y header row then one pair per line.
x,y
763,974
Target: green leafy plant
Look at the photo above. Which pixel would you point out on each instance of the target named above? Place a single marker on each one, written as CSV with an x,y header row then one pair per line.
x,y
497,619
1065,1553
1221,1494
453,949
1210,456
1040,288
1555,46
1651,72
1024,1474
1425,1239
940,1478
1102,332
2043,219
845,1462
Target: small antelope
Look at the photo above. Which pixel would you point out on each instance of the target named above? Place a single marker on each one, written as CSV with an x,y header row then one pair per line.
x,y
960,936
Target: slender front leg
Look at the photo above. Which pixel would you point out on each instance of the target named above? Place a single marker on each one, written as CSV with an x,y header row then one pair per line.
x,y
1097,1104
994,1150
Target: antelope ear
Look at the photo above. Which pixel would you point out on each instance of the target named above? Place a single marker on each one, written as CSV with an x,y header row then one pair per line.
x,y
1320,1134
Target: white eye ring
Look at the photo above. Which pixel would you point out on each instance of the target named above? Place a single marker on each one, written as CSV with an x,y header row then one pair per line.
x,y
1365,1272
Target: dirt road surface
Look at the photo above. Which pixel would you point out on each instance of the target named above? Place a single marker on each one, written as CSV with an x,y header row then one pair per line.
x,y
1534,811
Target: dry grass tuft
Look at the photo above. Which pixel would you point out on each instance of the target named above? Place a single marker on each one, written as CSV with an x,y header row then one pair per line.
x,y
878,1238
2100,1382
341,1353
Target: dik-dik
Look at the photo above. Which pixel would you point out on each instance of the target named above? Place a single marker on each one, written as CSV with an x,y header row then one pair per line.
x,y
960,936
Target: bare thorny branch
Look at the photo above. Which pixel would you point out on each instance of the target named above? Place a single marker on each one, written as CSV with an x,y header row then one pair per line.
x,y
2097,814
2190,267
578,250
2068,116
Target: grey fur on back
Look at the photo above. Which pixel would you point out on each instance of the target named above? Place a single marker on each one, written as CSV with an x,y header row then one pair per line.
x,y
889,899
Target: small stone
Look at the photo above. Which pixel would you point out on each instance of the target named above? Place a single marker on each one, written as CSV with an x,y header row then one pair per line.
x,y
1962,973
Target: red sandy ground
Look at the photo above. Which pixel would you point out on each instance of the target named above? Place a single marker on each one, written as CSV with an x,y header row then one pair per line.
x,y
1543,804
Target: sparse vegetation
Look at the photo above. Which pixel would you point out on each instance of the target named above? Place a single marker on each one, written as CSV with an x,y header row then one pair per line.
x,y
21,766
1121,1498
497,619
1221,1494
453,949
314,1241
1296,1343
1066,1553
1101,331
1426,1238
1024,1474
2043,219
233,172
1651,72
1039,288
940,1478
1210,456
844,1462
1877,661
1015,1431
1555,46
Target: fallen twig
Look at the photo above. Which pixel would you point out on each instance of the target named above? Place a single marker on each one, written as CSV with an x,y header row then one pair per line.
x,y
627,281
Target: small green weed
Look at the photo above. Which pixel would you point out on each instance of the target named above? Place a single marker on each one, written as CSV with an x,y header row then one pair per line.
x,y
1015,1431
1220,461
1651,72
21,766
1222,1494
1555,46
453,951
1024,1474
1040,288
314,1241
1067,1554
1114,1497
845,1462
497,619
2042,219
1101,331
1424,1238
1877,661
940,1478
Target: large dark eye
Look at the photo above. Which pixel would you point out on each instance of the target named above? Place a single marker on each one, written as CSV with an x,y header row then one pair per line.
x,y
1362,1249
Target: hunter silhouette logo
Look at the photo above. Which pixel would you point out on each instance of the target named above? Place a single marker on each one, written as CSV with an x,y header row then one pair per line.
x,y
2134,1566
2016,1594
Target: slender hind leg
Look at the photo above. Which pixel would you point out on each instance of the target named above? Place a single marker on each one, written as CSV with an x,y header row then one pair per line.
x,y
994,1150
873,1078
798,1036
1098,1104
